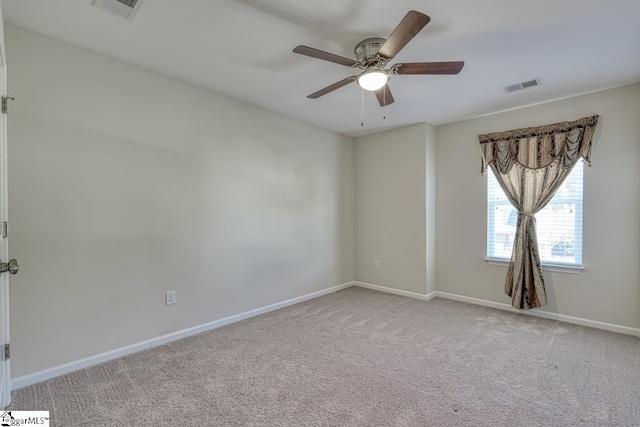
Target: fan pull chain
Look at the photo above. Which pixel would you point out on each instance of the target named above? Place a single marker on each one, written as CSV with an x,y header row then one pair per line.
x,y
361,107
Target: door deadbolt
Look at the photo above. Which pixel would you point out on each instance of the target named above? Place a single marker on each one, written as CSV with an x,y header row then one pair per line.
x,y
12,266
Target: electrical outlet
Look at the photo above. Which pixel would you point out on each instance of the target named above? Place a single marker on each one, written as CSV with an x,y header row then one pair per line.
x,y
170,297
376,263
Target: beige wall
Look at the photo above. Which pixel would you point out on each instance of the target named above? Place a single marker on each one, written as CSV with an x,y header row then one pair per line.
x,y
125,183
391,219
609,289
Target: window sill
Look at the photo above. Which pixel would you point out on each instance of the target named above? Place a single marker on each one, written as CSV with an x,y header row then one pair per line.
x,y
556,268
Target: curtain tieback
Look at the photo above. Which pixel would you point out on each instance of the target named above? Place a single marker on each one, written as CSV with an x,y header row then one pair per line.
x,y
527,214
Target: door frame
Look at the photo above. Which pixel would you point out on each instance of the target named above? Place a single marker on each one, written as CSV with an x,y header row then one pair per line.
x,y
5,365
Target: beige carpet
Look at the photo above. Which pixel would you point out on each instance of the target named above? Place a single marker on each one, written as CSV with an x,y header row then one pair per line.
x,y
362,358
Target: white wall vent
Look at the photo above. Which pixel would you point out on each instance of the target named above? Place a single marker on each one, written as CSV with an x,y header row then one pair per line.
x,y
522,85
125,9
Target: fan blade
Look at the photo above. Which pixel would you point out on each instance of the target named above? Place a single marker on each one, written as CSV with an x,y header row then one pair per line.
x,y
332,87
429,67
326,56
407,29
384,96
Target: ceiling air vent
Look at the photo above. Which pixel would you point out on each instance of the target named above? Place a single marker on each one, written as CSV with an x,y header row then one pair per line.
x,y
522,85
125,9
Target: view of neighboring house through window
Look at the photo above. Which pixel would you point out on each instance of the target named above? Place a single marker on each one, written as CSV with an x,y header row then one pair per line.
x,y
559,224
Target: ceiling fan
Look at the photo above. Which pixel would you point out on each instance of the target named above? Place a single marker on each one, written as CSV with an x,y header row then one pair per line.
x,y
374,54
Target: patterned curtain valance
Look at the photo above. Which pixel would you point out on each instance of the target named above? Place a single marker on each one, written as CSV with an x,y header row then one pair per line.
x,y
538,147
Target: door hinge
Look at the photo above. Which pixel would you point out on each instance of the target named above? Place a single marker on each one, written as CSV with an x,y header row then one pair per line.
x,y
5,229
5,102
6,353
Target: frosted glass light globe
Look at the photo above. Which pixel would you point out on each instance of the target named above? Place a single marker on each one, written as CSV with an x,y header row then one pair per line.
x,y
373,79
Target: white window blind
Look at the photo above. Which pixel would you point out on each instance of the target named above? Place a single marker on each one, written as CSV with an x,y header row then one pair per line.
x,y
559,224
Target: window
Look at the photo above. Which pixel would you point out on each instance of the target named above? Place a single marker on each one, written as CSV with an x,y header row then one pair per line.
x,y
559,224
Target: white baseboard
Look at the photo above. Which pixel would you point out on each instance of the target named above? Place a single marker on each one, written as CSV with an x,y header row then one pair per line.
x,y
501,306
424,297
544,314
66,368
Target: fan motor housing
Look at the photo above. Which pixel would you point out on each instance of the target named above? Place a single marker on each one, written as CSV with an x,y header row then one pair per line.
x,y
367,51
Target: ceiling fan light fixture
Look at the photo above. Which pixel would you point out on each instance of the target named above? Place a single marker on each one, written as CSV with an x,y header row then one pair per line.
x,y
372,56
373,79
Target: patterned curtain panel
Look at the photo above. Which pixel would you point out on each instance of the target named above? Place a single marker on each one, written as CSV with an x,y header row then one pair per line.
x,y
530,165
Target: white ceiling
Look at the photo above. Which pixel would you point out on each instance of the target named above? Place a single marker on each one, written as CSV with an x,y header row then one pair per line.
x,y
242,48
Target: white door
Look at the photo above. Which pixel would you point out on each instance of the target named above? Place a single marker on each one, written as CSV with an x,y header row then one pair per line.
x,y
5,377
